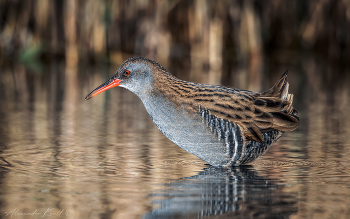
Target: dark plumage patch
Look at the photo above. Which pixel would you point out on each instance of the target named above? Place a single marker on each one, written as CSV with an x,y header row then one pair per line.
x,y
238,117
206,90
264,116
254,133
247,97
257,111
264,122
204,100
259,102
245,123
199,95
222,113
226,106
270,103
229,116
175,90
221,95
182,89
284,116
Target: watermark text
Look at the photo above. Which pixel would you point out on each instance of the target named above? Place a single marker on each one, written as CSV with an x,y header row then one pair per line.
x,y
45,213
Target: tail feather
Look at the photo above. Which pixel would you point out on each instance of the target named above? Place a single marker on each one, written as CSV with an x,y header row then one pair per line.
x,y
280,89
277,104
289,107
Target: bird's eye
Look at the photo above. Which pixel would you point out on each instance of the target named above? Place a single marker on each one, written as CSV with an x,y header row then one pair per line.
x,y
127,72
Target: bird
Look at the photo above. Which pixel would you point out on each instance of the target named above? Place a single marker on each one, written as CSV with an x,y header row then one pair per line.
x,y
221,125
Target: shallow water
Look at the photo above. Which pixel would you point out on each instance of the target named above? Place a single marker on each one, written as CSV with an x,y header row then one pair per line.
x,y
65,157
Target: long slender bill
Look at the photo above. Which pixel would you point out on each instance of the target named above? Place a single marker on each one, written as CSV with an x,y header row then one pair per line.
x,y
113,82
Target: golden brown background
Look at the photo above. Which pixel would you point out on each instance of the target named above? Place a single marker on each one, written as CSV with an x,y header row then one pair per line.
x,y
102,158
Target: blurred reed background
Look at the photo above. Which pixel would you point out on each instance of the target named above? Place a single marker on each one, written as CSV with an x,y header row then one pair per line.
x,y
237,43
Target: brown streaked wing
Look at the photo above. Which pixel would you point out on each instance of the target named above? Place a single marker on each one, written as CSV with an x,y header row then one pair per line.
x,y
255,112
239,109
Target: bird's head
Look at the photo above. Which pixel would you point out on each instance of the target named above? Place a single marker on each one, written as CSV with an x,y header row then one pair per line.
x,y
135,74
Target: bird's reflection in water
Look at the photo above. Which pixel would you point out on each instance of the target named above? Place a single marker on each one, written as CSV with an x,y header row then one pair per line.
x,y
237,192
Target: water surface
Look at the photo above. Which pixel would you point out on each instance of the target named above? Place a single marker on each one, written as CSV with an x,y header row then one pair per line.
x,y
65,157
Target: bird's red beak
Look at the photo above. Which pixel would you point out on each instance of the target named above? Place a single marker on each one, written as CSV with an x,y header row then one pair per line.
x,y
113,82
